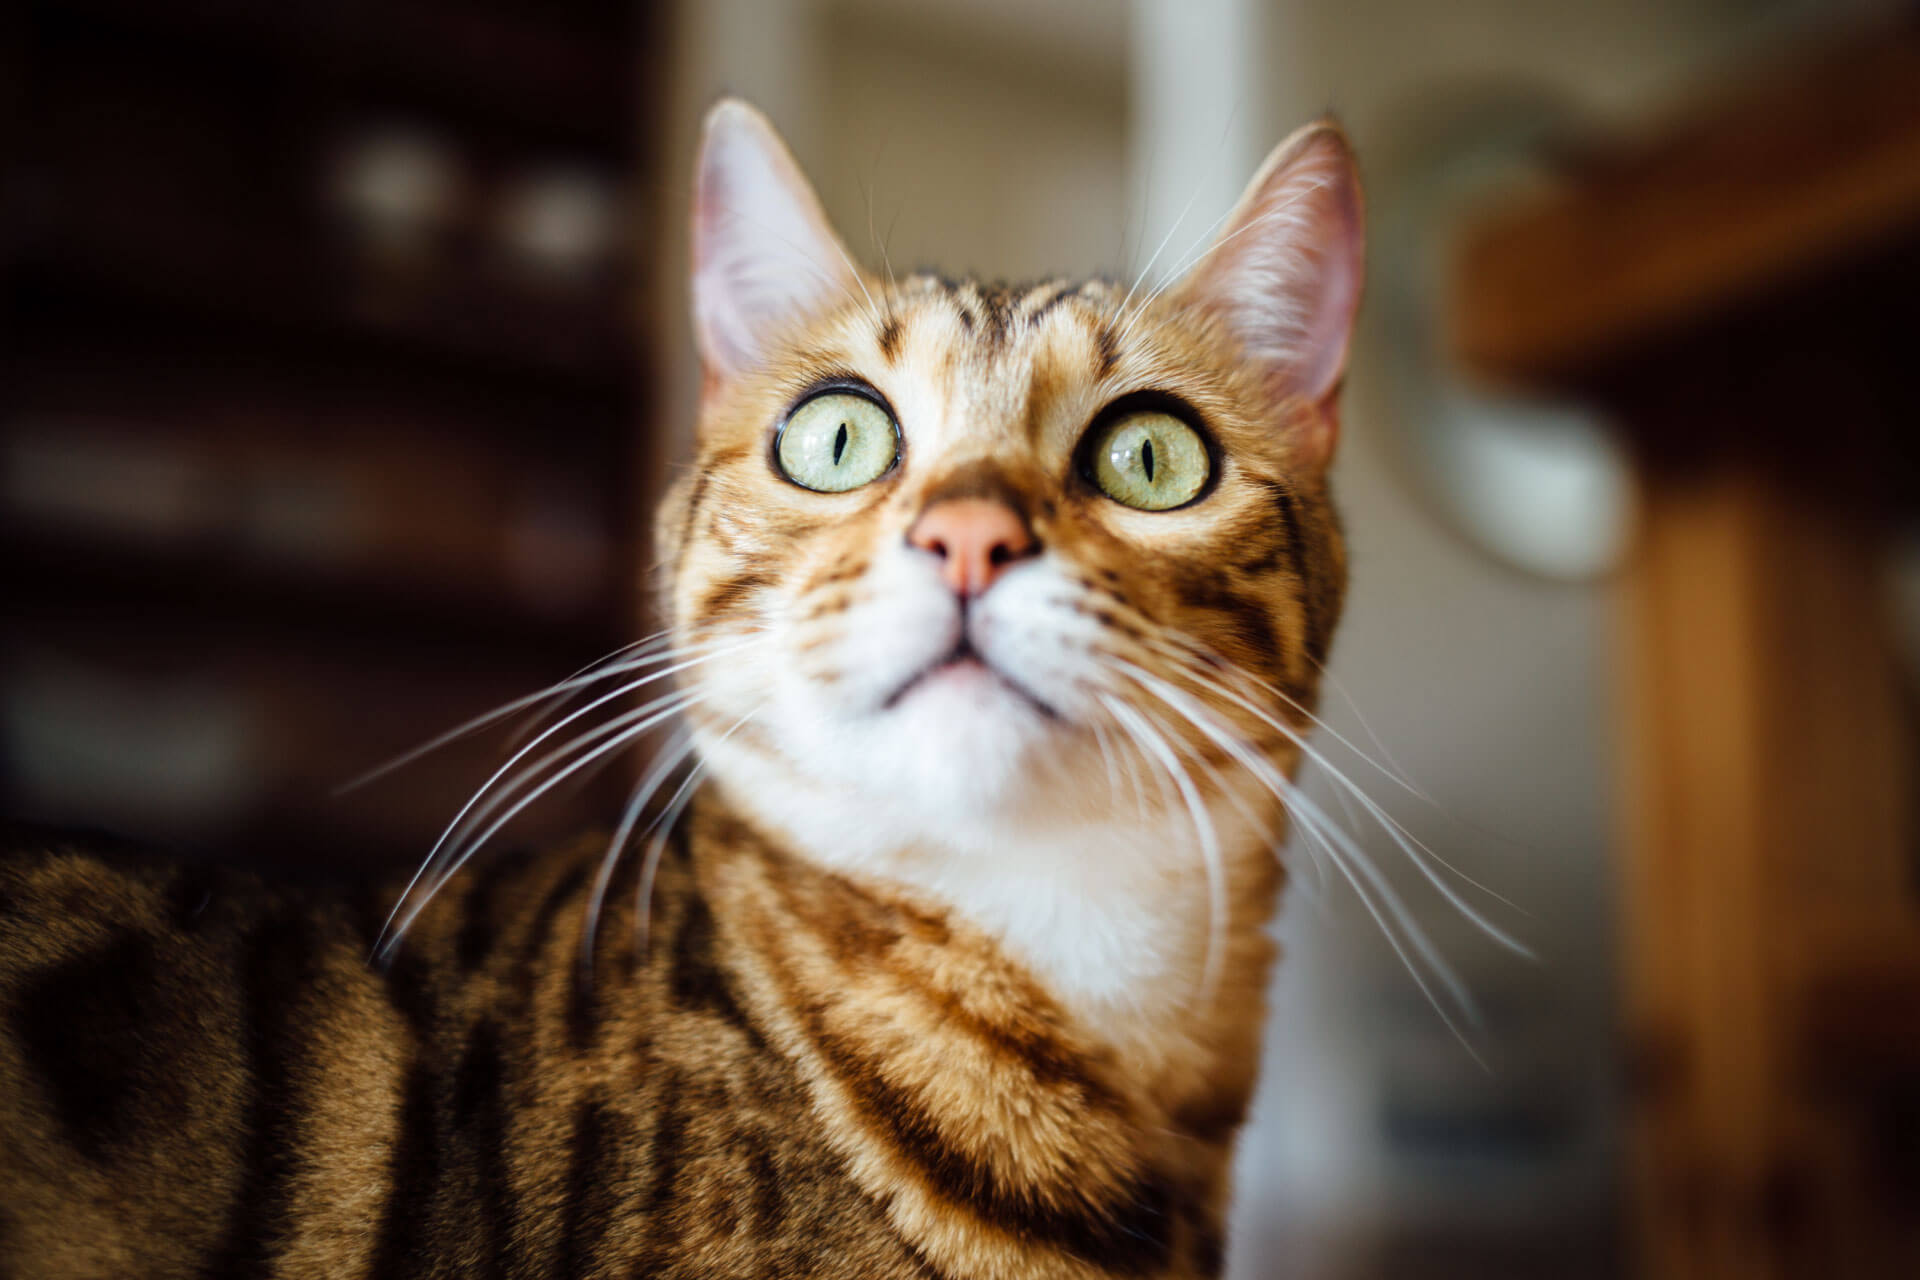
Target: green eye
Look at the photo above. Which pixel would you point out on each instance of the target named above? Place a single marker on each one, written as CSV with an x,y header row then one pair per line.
x,y
1152,461
836,442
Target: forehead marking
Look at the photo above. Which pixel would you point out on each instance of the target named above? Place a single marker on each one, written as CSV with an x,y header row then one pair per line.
x,y
999,302
1060,295
889,338
1106,350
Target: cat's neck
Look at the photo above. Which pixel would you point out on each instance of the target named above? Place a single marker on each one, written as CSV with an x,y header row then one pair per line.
x,y
1006,1135
1121,922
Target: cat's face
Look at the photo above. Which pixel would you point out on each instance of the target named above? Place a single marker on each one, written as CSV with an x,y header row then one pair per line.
x,y
968,551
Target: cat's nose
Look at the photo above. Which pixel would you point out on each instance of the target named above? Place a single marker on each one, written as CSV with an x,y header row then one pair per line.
x,y
976,540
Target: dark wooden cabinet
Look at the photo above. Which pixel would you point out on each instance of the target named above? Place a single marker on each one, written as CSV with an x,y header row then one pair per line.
x,y
322,400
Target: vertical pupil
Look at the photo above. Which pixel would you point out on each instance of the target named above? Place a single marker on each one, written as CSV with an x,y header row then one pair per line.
x,y
1146,459
839,443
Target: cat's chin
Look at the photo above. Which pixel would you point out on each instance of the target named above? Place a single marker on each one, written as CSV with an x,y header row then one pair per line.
x,y
956,741
960,736
970,685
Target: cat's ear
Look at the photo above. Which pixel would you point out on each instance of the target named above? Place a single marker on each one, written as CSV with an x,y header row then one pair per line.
x,y
764,257
1284,274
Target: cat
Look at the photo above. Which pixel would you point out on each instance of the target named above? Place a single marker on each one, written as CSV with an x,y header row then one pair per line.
x,y
996,618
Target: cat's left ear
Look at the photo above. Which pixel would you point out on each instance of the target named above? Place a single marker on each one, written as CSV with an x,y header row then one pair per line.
x,y
764,256
1284,275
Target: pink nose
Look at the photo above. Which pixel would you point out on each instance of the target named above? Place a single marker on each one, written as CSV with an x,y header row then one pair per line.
x,y
977,540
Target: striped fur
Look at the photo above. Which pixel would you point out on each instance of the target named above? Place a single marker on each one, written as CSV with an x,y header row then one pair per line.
x,y
201,1076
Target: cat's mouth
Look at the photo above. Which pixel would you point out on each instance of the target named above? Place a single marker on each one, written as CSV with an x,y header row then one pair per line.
x,y
964,662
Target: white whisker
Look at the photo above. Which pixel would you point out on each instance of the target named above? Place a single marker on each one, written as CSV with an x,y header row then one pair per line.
x,y
625,730
662,829
450,837
1106,759
535,721
1398,771
1194,664
670,759
1306,812
1204,832
589,676
1219,149
1417,851
1300,814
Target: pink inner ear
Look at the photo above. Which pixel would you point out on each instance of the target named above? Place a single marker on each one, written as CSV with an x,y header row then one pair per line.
x,y
1329,329
763,254
1285,275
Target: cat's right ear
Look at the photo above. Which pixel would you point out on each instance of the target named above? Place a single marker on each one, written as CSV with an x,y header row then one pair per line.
x,y
764,257
1284,274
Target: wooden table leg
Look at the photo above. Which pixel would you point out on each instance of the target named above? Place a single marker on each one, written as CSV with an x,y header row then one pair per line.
x,y
1766,781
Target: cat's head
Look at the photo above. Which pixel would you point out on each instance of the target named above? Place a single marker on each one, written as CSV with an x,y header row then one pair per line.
x,y
955,551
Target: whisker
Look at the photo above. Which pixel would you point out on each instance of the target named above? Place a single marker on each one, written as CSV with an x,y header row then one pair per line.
x,y
1171,641
662,829
1208,659
872,235
453,831
1152,741
479,722
1282,211
1317,855
1173,277
490,801
1305,811
1106,759
1404,778
1406,961
670,759
1408,843
624,730
1121,311
1219,149
638,649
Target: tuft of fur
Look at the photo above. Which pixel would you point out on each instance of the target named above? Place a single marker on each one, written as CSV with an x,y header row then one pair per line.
x,y
941,972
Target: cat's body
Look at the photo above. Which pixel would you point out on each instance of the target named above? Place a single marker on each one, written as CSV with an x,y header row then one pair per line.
x,y
999,614
203,1077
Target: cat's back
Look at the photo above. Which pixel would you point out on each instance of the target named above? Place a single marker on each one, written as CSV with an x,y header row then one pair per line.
x,y
166,1028
201,1074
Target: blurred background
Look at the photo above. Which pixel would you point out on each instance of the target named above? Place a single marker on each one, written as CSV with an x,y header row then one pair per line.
x,y
345,351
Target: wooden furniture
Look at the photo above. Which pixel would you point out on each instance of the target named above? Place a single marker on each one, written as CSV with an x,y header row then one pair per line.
x,y
321,399
1742,291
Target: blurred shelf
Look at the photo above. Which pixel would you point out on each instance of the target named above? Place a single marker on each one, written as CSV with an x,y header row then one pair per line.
x,y
320,403
247,753
562,71
1800,167
50,578
488,334
128,356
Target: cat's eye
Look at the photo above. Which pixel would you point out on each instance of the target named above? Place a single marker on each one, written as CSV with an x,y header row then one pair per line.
x,y
835,442
1149,460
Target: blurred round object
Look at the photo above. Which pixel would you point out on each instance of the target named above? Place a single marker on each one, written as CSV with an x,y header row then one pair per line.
x,y
398,188
1903,598
560,224
1541,487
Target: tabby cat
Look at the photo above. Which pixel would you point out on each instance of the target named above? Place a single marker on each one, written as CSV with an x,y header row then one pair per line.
x,y
996,618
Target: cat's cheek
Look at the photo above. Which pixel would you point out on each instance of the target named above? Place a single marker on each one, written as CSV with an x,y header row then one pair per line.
x,y
1029,628
899,619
